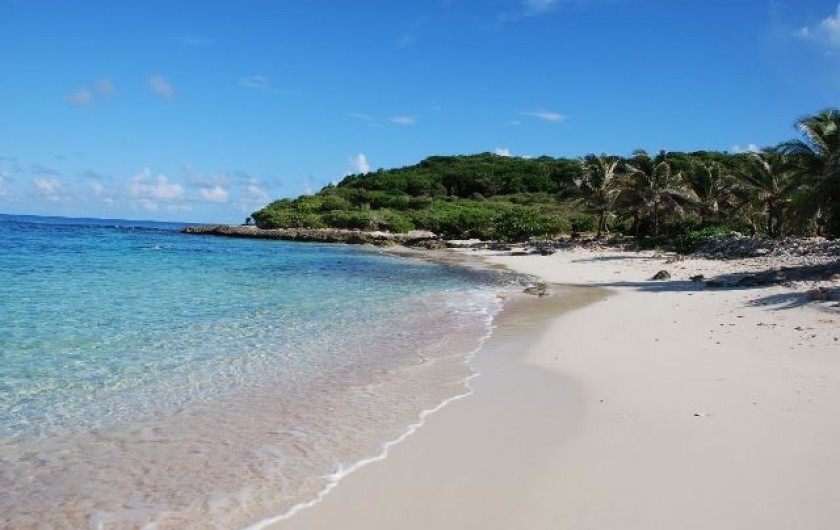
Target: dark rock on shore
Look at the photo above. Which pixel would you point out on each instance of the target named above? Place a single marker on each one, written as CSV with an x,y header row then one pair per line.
x,y
662,275
322,235
772,277
538,289
823,294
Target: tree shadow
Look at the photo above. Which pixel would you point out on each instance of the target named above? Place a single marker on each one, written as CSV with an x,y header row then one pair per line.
x,y
750,281
782,300
616,258
782,275
655,286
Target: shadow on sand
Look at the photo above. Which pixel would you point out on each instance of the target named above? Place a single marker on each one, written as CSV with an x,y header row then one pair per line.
x,y
749,281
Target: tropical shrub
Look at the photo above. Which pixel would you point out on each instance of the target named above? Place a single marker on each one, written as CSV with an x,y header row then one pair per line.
x,y
583,223
288,219
519,223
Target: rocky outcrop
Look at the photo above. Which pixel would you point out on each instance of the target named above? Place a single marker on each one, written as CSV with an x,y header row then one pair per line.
x,y
778,276
735,246
320,235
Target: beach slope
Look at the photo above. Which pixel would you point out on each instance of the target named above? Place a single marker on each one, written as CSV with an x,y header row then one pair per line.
x,y
662,405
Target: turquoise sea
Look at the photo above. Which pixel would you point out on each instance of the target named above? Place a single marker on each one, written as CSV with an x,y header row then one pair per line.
x,y
150,379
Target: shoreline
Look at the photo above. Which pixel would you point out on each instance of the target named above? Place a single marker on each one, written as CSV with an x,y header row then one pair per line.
x,y
344,471
505,291
684,407
519,324
265,446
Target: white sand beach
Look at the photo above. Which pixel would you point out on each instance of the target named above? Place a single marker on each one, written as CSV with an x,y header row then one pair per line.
x,y
659,405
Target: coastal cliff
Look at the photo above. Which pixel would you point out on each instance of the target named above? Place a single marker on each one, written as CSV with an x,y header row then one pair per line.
x,y
321,235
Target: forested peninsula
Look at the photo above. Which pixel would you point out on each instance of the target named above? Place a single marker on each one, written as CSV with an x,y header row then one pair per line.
x,y
791,189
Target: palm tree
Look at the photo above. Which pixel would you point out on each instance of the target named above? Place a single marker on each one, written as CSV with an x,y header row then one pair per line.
x,y
817,160
769,182
714,189
653,188
596,187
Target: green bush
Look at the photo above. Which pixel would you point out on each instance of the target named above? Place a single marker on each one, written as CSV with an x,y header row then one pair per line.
x,y
396,222
369,220
653,242
584,223
458,219
288,219
680,226
418,203
352,219
331,203
690,242
308,204
519,223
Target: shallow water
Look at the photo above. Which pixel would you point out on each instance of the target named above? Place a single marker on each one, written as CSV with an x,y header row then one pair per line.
x,y
150,379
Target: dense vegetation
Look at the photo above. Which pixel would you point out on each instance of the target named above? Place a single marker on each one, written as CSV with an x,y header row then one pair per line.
x,y
790,189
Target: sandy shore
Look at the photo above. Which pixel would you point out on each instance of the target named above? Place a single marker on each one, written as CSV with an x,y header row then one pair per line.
x,y
660,405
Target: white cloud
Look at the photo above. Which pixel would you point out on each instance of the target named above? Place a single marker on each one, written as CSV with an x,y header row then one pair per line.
x,y
545,115
86,96
360,116
255,81
96,189
526,9
48,188
199,180
261,82
826,32
534,8
161,86
81,97
750,148
179,207
404,120
255,192
359,163
4,178
141,185
148,205
216,194
254,196
502,151
365,118
105,87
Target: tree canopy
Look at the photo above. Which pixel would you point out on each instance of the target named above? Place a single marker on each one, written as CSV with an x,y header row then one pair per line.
x,y
789,189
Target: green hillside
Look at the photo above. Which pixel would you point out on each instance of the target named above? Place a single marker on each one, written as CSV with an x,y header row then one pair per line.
x,y
790,189
485,196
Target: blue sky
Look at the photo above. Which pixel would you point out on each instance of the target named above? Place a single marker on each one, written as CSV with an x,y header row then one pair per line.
x,y
206,110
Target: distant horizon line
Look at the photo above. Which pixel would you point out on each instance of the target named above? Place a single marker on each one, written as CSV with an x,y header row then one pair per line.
x,y
101,219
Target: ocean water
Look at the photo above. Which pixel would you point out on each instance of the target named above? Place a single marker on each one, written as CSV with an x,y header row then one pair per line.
x,y
150,379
